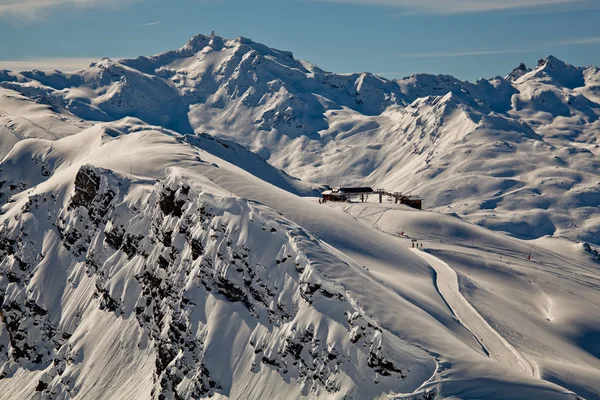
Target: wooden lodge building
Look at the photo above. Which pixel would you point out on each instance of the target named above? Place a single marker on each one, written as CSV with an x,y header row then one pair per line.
x,y
362,194
411,201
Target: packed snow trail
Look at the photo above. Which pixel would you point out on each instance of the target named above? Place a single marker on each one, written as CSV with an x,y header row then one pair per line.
x,y
494,344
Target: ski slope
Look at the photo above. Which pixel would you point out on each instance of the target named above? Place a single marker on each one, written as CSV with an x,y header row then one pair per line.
x,y
535,312
494,344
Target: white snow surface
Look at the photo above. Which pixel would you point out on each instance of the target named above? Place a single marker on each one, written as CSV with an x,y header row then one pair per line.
x,y
514,154
152,246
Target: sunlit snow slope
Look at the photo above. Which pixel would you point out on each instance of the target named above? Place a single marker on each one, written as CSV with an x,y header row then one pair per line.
x,y
515,154
136,265
152,246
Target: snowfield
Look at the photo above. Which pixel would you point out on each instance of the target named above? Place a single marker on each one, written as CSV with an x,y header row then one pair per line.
x,y
161,238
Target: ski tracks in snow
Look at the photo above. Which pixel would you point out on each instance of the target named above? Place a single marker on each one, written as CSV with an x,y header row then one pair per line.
x,y
492,342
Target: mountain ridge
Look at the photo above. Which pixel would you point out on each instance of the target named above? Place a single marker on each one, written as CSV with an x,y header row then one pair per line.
x,y
301,119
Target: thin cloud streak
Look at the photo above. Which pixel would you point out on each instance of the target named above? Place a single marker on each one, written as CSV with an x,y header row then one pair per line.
x,y
36,9
63,64
469,53
574,42
147,24
461,6
548,8
532,48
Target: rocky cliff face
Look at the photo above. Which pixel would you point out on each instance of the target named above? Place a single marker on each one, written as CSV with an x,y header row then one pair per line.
x,y
194,277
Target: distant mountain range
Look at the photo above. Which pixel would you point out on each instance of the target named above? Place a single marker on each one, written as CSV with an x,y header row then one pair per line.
x,y
516,154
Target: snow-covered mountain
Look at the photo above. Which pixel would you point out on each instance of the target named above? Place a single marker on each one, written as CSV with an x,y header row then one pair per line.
x,y
517,154
155,244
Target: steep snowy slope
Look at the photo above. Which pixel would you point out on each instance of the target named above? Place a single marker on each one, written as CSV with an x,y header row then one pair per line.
x,y
185,276
143,266
22,117
32,161
517,154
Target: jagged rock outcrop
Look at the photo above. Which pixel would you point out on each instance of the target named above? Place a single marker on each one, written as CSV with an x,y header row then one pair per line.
x,y
177,262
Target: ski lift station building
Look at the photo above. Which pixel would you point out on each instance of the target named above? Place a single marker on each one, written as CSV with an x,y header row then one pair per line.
x,y
346,193
350,193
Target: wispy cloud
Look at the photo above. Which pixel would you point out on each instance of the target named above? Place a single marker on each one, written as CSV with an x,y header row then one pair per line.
x,y
574,42
529,48
463,6
147,24
463,53
63,64
34,9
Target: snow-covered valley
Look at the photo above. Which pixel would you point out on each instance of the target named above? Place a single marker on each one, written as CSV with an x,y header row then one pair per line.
x,y
160,234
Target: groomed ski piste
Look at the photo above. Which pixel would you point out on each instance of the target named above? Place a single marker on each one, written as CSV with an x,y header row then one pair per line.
x,y
477,271
140,262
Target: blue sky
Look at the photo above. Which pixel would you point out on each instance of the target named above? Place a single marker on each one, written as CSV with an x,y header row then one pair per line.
x,y
466,38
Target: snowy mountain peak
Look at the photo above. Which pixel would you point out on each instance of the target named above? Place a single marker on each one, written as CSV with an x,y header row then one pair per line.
x,y
553,62
556,72
197,43
518,72
445,104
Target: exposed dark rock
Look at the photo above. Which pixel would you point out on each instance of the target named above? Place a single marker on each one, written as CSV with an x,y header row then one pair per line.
x,y
271,362
169,205
383,366
197,247
115,237
41,386
87,184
